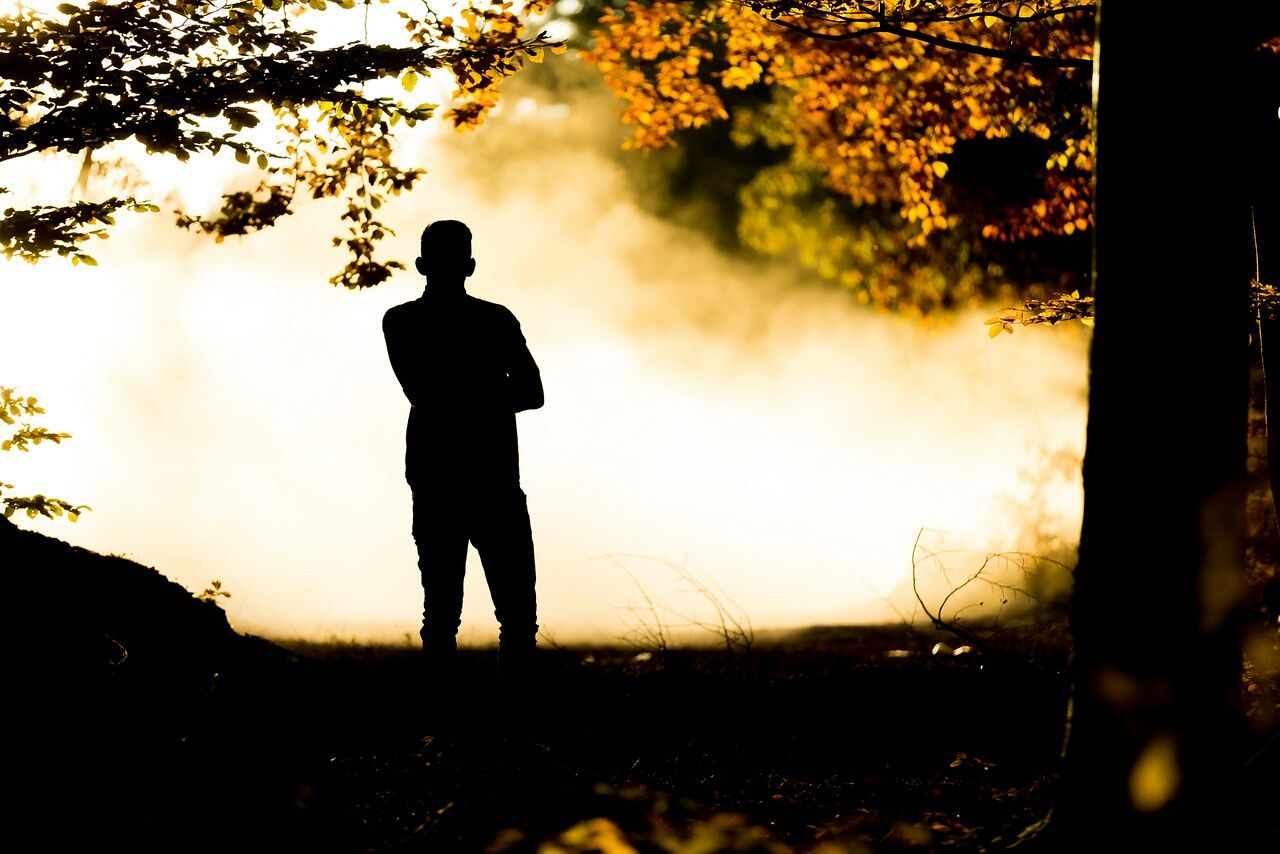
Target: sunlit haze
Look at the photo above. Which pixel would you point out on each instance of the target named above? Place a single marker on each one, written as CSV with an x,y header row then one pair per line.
x,y
235,417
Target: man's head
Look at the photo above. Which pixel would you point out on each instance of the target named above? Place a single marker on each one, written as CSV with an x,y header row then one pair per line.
x,y
445,254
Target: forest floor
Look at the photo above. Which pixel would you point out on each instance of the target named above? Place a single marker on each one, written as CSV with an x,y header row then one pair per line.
x,y
853,737
138,720
839,739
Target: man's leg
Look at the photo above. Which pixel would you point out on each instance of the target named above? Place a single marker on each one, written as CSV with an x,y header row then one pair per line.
x,y
504,538
441,535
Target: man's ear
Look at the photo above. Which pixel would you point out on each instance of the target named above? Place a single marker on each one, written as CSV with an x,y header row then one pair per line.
x,y
420,266
471,267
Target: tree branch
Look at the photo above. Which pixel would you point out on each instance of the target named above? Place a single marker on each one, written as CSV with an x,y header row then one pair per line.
x,y
947,17
886,28
982,50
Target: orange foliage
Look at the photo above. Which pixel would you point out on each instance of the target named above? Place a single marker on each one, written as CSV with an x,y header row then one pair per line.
x,y
497,29
878,117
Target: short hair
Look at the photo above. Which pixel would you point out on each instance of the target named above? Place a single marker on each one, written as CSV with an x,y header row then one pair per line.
x,y
445,241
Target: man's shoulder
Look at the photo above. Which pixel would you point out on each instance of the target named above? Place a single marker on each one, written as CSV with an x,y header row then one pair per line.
x,y
490,310
479,311
487,306
403,310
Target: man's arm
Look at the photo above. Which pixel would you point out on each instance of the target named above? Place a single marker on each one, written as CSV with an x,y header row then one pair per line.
x,y
401,358
523,376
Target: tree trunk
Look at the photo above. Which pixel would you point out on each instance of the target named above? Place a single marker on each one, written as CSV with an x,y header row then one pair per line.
x,y
1156,743
1264,173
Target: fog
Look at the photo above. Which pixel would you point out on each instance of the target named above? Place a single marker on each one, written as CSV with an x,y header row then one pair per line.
x,y
235,417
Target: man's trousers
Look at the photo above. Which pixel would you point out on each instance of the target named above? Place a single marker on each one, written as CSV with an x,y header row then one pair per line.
x,y
497,524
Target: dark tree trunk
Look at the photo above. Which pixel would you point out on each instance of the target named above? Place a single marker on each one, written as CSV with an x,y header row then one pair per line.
x,y
1156,746
1269,347
1264,184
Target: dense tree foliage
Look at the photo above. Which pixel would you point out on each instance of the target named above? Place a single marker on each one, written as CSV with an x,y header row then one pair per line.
x,y
199,77
945,164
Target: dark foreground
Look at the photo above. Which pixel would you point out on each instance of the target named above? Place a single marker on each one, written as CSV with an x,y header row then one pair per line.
x,y
824,738
142,722
815,740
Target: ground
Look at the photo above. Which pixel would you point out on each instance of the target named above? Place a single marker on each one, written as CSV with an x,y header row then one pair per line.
x,y
823,737
145,723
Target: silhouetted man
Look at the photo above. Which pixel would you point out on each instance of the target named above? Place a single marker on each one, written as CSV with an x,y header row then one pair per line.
x,y
464,366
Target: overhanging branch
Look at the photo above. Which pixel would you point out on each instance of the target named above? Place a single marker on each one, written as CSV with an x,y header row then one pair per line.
x,y
886,28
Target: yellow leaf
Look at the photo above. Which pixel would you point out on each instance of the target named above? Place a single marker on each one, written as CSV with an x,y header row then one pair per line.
x,y
558,49
262,161
939,168
409,80
1155,778
89,261
994,329
535,55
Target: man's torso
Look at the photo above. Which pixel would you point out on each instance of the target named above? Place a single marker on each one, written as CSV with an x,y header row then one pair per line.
x,y
455,351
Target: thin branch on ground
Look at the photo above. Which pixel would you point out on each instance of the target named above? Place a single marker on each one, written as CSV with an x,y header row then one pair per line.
x,y
730,623
989,576
650,630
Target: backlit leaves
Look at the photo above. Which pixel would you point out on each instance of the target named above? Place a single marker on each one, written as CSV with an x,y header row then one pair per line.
x,y
1266,299
42,505
187,78
1070,306
12,407
879,117
214,592
36,232
26,436
882,119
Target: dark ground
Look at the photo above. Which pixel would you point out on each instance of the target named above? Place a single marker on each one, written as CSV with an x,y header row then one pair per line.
x,y
147,724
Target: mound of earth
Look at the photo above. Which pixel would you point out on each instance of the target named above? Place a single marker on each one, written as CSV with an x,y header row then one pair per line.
x,y
83,620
